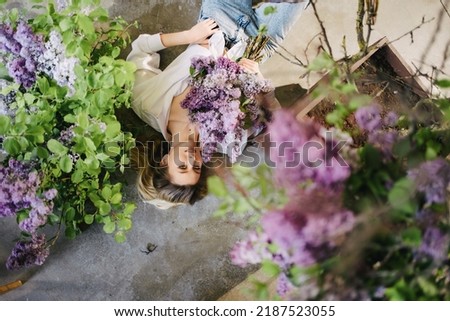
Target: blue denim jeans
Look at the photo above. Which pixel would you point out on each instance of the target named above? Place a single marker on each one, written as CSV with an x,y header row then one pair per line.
x,y
237,16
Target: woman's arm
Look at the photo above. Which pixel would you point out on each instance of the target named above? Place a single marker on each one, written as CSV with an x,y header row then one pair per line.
x,y
197,34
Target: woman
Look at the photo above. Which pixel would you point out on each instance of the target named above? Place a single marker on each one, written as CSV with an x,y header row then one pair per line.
x,y
173,173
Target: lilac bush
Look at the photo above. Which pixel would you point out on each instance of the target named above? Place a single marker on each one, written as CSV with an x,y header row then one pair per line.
x,y
60,85
222,102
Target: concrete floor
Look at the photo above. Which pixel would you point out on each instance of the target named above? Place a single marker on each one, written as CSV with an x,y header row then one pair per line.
x,y
191,261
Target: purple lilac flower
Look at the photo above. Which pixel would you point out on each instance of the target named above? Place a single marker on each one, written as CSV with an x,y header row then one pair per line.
x,y
432,178
368,118
384,141
391,119
302,238
214,103
28,253
19,190
303,152
435,244
21,49
284,286
252,250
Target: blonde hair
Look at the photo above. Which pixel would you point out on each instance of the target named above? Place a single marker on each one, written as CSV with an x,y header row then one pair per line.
x,y
153,181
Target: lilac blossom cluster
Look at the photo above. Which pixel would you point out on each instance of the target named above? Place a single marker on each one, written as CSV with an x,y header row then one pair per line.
x,y
56,64
19,190
28,253
21,49
377,127
26,55
433,179
222,102
309,228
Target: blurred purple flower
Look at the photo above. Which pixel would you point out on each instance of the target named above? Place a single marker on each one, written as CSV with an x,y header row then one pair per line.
x,y
252,250
28,253
435,244
383,141
284,286
432,178
368,118
391,119
303,153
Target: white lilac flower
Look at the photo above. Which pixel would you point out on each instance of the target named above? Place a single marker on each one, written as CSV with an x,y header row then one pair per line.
x,y
57,65
61,5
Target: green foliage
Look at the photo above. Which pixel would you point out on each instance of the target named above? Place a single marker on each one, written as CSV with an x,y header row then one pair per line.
x,y
253,192
80,169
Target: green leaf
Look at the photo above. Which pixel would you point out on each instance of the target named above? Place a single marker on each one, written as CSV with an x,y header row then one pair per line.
x,y
412,236
322,62
271,269
70,233
125,224
129,209
106,193
89,144
69,214
56,147
427,287
54,219
109,227
86,25
77,176
116,199
242,205
403,147
83,120
66,164
120,237
112,129
104,208
42,153
5,122
29,98
400,196
66,24
217,187
89,219
270,10
12,146
443,83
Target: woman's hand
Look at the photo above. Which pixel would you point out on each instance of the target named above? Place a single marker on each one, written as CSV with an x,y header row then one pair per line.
x,y
250,66
202,31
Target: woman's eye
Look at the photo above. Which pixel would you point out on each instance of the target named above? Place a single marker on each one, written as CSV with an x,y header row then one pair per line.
x,y
183,167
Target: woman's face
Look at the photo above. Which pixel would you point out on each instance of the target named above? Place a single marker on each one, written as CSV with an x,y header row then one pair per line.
x,y
184,163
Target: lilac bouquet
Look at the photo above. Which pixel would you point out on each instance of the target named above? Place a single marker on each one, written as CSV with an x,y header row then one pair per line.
x,y
223,103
